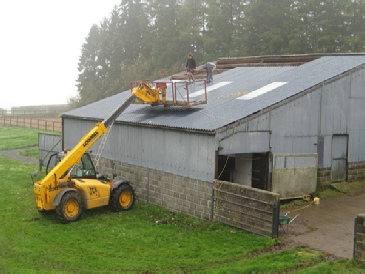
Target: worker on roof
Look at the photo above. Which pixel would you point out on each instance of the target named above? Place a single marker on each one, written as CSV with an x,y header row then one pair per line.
x,y
190,66
209,67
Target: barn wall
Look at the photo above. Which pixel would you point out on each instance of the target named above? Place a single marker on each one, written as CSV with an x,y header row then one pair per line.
x,y
306,124
309,124
356,124
294,126
177,193
184,154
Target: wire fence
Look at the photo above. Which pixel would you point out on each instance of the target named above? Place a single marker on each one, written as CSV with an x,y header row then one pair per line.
x,y
49,124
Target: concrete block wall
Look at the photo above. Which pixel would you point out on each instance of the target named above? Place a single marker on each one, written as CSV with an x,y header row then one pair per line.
x,y
359,242
323,176
356,171
192,197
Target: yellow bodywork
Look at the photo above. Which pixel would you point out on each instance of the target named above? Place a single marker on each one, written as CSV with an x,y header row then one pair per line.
x,y
150,95
94,192
46,189
73,184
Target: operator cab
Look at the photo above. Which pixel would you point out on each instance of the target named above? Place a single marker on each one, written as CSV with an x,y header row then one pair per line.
x,y
83,169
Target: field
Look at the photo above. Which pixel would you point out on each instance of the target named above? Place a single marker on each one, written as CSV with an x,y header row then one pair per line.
x,y
146,239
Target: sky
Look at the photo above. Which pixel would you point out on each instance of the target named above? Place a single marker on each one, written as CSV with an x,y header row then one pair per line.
x,y
40,46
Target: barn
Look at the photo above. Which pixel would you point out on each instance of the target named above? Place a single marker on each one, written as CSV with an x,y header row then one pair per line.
x,y
283,124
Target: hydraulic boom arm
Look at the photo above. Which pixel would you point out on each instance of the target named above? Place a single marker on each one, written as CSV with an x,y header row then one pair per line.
x,y
74,156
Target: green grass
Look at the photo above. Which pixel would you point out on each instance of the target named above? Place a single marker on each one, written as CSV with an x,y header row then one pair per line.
x,y
126,241
340,266
30,152
281,262
17,137
145,239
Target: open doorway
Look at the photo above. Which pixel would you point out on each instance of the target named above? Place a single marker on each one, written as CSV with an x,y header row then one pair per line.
x,y
260,170
250,169
226,168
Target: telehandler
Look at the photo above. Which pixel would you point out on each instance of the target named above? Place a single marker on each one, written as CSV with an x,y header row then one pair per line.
x,y
73,185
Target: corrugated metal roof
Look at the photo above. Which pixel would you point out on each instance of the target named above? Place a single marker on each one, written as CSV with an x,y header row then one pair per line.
x,y
229,102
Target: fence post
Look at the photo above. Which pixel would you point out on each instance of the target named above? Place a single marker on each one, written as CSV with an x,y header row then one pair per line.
x,y
275,219
355,240
212,210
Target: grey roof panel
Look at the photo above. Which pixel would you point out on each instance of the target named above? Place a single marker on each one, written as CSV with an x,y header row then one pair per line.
x,y
223,106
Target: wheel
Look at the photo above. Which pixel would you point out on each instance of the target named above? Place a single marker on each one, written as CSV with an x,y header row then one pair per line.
x,y
123,198
70,207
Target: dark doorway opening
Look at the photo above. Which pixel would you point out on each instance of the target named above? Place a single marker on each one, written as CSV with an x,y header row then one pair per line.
x,y
260,170
226,168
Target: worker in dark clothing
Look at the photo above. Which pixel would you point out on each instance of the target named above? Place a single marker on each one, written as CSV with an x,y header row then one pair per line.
x,y
190,66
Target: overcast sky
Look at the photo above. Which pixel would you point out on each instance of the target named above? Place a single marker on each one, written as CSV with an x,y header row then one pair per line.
x,y
40,46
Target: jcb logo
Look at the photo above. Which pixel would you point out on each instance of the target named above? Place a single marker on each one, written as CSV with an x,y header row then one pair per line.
x,y
90,138
93,191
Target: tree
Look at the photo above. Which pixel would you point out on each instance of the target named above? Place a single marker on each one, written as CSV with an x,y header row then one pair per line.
x,y
267,24
168,45
149,39
89,82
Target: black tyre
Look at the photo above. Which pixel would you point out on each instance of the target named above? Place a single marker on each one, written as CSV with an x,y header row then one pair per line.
x,y
45,212
122,198
70,207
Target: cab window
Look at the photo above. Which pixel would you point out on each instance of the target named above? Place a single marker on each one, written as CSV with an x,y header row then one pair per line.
x,y
84,168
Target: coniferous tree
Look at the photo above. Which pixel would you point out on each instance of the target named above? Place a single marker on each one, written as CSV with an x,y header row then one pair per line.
x,y
90,81
149,39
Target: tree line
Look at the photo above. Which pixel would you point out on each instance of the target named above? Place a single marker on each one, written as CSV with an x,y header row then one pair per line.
x,y
150,39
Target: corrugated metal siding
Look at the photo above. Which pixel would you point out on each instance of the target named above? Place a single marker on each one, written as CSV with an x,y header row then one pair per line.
x,y
357,84
294,125
75,129
245,142
186,154
47,145
334,108
298,125
356,117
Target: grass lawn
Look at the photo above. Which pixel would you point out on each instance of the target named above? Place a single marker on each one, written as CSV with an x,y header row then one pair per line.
x,y
146,239
18,137
104,241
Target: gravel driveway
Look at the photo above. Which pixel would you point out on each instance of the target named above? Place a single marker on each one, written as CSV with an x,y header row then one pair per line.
x,y
14,154
328,226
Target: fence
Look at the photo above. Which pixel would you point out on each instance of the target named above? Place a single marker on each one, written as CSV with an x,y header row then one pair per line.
x,y
48,144
51,124
250,209
36,111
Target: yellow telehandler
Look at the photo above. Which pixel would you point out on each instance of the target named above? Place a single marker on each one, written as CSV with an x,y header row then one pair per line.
x,y
73,185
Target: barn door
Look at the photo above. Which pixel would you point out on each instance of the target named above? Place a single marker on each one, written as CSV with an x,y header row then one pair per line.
x,y
339,158
260,170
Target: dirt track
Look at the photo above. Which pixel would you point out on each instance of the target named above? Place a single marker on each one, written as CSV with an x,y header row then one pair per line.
x,y
328,226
